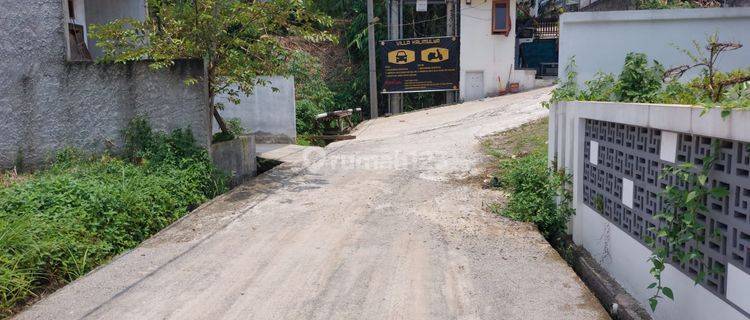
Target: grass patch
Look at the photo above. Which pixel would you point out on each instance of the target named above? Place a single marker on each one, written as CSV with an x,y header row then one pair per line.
x,y
10,177
527,139
58,224
536,193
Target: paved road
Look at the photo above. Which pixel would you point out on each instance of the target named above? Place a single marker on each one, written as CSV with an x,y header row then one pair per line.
x,y
388,226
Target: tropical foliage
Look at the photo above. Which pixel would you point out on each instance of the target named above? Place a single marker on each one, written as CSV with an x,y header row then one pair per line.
x,y
58,224
239,40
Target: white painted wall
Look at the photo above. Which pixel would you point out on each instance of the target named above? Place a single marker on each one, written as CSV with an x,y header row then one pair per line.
x,y
104,11
483,51
622,256
627,261
600,40
270,115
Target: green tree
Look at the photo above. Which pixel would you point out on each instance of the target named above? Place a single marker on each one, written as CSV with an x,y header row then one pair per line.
x,y
238,39
352,16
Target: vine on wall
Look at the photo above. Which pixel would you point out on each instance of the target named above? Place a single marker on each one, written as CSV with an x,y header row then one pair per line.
x,y
679,226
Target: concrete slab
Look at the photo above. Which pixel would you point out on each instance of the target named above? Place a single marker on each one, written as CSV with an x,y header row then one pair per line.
x,y
289,153
710,123
381,227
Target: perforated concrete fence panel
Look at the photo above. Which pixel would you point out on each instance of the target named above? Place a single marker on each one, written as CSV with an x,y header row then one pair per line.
x,y
622,181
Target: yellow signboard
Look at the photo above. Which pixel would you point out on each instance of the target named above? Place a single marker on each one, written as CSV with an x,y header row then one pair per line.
x,y
401,56
420,65
435,55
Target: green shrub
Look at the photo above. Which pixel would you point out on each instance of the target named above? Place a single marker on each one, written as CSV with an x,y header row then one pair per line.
x,y
673,4
60,223
313,94
567,90
638,81
601,88
235,130
676,92
537,194
644,83
738,96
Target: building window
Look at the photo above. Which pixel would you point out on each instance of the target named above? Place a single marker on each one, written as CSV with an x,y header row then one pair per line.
x,y
78,49
501,17
80,14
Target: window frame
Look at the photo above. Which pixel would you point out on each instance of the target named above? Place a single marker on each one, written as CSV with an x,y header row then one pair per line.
x,y
68,26
508,21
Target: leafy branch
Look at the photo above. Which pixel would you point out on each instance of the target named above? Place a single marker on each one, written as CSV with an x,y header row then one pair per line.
x,y
727,89
566,90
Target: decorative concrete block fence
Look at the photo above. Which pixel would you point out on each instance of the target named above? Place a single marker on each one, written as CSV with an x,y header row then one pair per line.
x,y
616,153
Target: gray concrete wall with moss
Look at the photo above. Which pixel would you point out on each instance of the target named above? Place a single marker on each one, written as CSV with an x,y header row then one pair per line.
x,y
48,103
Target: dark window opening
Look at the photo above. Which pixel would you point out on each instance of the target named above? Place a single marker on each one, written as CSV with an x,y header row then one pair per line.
x,y
78,49
77,43
71,10
501,17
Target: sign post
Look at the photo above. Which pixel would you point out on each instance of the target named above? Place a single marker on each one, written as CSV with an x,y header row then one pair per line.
x,y
421,5
421,65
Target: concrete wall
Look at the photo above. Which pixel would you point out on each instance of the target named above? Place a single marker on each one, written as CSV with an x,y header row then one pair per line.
x,y
482,51
599,41
236,158
47,103
526,79
104,11
619,252
269,115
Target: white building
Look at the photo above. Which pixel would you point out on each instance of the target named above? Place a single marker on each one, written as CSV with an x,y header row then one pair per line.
x,y
488,40
488,50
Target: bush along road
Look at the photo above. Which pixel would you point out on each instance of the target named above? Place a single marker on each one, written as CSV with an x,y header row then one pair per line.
x,y
58,224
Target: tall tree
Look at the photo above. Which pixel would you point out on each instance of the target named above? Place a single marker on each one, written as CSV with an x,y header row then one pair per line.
x,y
238,39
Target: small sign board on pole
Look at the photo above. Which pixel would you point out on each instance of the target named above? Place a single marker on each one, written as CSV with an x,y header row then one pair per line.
x,y
421,5
420,65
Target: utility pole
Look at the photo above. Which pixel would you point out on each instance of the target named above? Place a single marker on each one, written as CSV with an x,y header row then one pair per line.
x,y
451,10
373,66
395,32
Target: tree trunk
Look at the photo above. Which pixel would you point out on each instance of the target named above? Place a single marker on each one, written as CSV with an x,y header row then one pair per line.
x,y
217,116
220,121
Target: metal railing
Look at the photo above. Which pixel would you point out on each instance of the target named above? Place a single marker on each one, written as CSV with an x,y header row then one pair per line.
x,y
547,29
